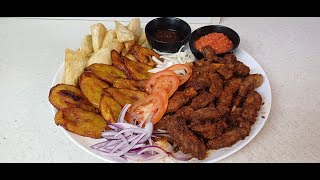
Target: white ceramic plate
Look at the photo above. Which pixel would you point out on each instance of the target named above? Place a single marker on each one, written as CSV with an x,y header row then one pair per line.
x,y
265,91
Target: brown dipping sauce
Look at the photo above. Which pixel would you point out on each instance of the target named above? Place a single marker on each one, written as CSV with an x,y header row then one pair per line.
x,y
168,35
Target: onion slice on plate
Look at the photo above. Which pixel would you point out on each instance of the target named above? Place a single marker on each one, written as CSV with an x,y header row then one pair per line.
x,y
133,142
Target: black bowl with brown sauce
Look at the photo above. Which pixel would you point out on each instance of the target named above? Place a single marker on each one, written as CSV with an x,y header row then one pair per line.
x,y
167,34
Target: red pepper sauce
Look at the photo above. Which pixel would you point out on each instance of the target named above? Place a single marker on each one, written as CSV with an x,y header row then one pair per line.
x,y
219,42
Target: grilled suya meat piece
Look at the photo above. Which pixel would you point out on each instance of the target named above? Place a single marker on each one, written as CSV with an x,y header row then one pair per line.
x,y
251,106
187,141
210,130
202,100
215,108
227,139
180,98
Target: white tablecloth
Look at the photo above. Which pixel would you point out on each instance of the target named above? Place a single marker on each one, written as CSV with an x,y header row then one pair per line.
x,y
288,49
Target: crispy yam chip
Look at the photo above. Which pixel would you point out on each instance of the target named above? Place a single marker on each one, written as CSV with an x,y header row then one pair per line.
x,y
127,46
135,27
81,122
142,38
111,41
125,96
102,57
87,45
98,32
146,44
110,109
105,72
64,96
138,71
123,33
92,88
75,62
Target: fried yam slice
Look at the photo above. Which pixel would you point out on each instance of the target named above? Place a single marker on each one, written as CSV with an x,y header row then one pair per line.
x,y
138,71
98,32
135,27
144,55
105,72
92,88
86,45
123,33
109,108
81,122
64,96
75,62
125,96
110,41
102,56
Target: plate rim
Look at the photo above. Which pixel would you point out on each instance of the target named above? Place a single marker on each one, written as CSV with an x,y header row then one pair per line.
x,y
248,139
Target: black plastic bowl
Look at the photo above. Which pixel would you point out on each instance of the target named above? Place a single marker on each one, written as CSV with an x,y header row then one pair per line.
x,y
168,23
231,34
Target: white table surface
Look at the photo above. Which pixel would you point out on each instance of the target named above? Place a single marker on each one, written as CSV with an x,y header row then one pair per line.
x,y
288,49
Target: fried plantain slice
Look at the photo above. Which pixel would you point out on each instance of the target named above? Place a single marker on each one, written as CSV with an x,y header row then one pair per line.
x,y
144,55
125,96
66,96
118,62
83,123
138,71
92,88
129,84
110,109
131,57
106,72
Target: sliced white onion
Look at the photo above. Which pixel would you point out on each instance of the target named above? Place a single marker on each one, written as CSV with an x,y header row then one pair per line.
x,y
123,113
127,141
171,59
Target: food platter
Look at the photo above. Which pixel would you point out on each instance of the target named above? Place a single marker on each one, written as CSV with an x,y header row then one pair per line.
x,y
265,91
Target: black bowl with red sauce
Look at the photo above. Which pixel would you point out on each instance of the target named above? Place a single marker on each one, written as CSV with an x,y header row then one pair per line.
x,y
167,34
205,30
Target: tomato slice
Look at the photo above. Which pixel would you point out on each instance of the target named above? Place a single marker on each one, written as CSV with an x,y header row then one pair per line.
x,y
182,77
154,105
168,82
153,79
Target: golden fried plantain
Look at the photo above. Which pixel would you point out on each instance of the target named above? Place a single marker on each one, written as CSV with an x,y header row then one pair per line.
x,y
106,72
125,96
118,62
110,109
131,57
138,71
129,84
83,123
144,55
92,87
66,96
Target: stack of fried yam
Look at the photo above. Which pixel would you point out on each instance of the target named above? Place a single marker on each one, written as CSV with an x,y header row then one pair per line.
x,y
101,92
215,108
